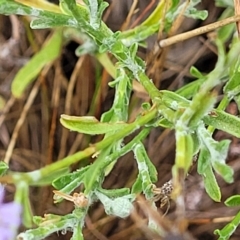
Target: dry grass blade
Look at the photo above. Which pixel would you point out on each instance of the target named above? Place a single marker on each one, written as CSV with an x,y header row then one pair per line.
x,y
184,36
237,12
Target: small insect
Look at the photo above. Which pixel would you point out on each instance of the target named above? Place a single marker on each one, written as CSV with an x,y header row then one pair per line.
x,y
163,194
79,199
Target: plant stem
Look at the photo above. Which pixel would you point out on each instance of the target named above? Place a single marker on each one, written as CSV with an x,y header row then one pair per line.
x,y
35,176
210,27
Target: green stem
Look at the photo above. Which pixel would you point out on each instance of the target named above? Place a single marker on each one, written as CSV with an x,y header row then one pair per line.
x,y
35,176
149,87
127,130
128,147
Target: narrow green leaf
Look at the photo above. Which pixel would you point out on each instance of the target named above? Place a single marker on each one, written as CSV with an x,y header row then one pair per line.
x,y
46,55
195,72
196,143
203,160
96,8
201,109
65,179
43,23
114,193
223,121
225,171
147,28
137,185
94,176
11,7
184,150
49,224
3,168
22,197
215,153
224,3
189,90
165,123
173,100
225,33
44,10
151,168
211,184
234,78
193,113
233,201
89,125
140,155
232,88
197,14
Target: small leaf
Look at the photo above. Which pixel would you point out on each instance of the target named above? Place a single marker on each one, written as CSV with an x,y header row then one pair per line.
x,y
168,98
137,186
193,115
197,14
211,184
89,125
147,177
203,160
224,3
44,23
88,47
184,150
133,50
214,153
65,179
223,121
233,201
3,168
195,72
114,193
189,90
96,8
234,81
57,223
94,176
225,171
121,206
165,123
151,168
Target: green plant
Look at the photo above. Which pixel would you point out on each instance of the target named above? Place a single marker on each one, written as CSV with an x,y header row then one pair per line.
x,y
182,111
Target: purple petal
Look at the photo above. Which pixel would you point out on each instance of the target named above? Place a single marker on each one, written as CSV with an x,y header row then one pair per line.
x,y
1,193
7,234
10,214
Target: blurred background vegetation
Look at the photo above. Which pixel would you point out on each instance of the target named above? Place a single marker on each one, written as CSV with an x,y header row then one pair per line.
x,y
79,86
